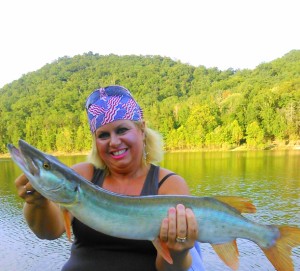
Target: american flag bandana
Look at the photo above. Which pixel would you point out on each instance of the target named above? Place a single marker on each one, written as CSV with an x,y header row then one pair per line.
x,y
109,104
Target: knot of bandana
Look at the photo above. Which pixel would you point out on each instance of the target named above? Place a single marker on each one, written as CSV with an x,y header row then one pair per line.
x,y
109,104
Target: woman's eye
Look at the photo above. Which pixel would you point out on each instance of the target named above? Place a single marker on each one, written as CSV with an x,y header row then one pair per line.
x,y
103,135
122,130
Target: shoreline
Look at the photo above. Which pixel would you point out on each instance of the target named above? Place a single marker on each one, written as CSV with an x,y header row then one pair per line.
x,y
7,155
240,148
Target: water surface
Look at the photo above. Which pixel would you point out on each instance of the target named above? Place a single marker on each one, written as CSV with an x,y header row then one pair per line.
x,y
270,178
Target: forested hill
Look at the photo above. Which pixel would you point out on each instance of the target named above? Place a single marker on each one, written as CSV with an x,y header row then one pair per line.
x,y
193,107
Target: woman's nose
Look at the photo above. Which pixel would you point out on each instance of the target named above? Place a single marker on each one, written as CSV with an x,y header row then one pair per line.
x,y
114,140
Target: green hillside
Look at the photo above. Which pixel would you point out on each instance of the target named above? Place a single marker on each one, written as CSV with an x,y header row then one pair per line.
x,y
193,107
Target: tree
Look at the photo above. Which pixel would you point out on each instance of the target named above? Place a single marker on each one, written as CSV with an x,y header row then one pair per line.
x,y
255,135
192,107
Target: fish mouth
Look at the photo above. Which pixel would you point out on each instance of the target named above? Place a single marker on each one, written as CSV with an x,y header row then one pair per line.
x,y
26,163
48,180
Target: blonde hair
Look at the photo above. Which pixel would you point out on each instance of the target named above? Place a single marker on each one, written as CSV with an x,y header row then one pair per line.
x,y
153,150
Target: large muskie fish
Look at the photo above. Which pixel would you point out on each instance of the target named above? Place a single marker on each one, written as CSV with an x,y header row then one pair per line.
x,y
140,217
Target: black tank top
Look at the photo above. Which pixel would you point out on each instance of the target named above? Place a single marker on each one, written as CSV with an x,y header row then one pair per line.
x,y
94,250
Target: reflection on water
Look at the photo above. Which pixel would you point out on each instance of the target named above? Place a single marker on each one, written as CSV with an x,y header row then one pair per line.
x,y
20,249
270,179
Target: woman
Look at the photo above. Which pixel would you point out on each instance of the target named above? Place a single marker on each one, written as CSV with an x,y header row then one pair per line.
x,y
122,160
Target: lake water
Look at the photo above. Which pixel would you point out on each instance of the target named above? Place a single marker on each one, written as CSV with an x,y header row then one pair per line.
x,y
270,178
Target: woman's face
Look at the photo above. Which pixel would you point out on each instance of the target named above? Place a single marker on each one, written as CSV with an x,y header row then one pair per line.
x,y
120,145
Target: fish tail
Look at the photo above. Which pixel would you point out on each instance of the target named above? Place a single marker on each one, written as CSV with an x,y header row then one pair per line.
x,y
280,254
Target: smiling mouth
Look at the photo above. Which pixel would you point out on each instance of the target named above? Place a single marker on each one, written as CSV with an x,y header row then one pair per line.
x,y
120,152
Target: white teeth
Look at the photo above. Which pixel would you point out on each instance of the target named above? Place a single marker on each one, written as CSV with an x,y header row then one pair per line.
x,y
119,152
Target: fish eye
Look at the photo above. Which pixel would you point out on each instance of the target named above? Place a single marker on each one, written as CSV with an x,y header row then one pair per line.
x,y
46,165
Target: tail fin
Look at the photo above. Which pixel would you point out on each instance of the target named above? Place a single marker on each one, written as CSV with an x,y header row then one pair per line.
x,y
280,254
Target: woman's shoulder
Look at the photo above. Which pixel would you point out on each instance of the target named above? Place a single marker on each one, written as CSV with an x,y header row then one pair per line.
x,y
172,183
85,169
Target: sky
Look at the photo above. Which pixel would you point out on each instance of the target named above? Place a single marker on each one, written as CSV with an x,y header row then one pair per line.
x,y
225,34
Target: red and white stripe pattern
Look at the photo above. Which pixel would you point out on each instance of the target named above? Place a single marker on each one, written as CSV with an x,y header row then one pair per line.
x,y
112,103
112,110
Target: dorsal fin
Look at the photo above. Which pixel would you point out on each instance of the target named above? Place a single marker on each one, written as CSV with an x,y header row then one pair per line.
x,y
243,205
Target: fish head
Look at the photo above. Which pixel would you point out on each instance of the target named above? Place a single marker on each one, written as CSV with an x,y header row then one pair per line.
x,y
47,174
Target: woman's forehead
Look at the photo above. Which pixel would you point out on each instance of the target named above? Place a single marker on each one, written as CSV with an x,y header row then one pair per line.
x,y
115,124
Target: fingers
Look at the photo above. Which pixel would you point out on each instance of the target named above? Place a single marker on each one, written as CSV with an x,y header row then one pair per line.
x,y
180,228
21,185
172,224
25,189
192,224
21,180
29,188
164,230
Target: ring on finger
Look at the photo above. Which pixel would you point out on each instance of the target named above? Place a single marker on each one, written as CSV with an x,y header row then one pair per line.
x,y
28,192
180,239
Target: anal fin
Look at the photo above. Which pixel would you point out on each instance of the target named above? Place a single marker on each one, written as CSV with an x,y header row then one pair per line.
x,y
229,254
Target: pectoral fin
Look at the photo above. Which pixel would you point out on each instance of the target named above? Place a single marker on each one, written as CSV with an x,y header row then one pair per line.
x,y
163,250
229,254
67,222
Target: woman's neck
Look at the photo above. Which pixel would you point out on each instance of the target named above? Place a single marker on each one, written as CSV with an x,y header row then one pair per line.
x,y
128,183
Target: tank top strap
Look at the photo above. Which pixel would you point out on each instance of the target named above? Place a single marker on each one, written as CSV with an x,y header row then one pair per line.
x,y
165,178
150,186
151,183
98,176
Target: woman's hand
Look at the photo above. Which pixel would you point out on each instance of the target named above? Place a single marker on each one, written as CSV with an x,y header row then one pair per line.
x,y
27,192
42,216
179,230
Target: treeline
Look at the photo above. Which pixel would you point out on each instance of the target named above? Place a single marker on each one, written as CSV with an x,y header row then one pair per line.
x,y
192,107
